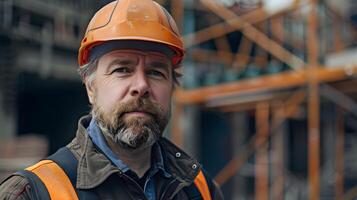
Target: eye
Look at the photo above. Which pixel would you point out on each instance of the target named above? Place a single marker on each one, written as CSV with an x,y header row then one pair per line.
x,y
156,73
122,70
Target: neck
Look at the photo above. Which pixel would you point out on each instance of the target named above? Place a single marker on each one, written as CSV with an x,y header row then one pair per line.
x,y
138,160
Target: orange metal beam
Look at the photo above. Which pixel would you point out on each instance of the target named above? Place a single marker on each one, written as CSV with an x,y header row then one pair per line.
x,y
313,105
262,160
290,107
245,47
314,137
177,11
277,28
262,26
272,82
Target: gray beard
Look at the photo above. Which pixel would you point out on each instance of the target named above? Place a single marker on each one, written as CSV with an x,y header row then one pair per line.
x,y
133,136
132,132
127,138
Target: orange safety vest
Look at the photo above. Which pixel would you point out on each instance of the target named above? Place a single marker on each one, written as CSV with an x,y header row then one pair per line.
x,y
60,187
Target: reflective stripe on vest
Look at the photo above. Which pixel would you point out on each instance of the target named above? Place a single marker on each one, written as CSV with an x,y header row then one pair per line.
x,y
201,184
55,179
60,187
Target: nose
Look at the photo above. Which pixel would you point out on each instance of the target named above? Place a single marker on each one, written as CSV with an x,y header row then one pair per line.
x,y
140,86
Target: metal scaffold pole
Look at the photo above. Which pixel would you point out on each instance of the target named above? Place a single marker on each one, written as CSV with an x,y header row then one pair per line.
x,y
262,167
313,106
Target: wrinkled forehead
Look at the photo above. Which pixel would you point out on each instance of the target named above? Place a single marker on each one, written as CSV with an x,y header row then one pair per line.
x,y
134,46
130,57
135,52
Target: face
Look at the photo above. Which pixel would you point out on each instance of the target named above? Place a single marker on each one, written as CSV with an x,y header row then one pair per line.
x,y
131,96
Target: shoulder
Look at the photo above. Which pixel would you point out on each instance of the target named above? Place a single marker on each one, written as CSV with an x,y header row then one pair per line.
x,y
172,150
176,158
15,187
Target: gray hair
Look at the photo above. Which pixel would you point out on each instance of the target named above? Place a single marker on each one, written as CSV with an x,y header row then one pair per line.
x,y
87,72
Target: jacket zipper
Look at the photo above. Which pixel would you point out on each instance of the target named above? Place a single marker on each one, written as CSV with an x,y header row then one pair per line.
x,y
135,183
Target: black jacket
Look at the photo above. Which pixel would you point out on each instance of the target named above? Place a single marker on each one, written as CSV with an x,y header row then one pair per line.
x,y
96,172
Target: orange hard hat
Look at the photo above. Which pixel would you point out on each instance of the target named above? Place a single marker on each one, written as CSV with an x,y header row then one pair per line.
x,y
132,20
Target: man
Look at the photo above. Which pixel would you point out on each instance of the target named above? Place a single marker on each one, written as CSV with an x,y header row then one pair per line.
x,y
127,61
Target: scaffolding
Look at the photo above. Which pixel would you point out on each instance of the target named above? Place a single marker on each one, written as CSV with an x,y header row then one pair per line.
x,y
288,73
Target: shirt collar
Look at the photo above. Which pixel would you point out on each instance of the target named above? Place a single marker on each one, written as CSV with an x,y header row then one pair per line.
x,y
158,161
99,140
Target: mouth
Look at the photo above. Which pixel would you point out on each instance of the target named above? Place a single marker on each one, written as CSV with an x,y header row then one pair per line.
x,y
138,113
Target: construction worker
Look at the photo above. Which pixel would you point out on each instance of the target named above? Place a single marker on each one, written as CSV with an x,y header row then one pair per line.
x,y
128,60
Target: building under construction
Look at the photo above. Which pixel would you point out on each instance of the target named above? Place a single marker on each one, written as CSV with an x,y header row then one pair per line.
x,y
267,103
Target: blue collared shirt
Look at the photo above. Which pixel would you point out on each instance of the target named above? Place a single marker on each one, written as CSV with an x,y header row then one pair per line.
x,y
156,166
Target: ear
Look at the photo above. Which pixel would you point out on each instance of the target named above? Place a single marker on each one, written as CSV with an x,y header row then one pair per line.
x,y
90,92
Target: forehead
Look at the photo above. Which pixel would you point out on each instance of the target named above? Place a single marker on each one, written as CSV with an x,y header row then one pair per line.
x,y
151,56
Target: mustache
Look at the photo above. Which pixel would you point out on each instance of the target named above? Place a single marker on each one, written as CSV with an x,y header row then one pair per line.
x,y
112,121
139,105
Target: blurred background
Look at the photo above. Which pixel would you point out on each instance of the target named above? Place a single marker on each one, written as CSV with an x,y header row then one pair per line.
x,y
267,103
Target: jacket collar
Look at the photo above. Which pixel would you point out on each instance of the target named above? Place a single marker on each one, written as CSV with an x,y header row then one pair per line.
x,y
178,163
94,167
